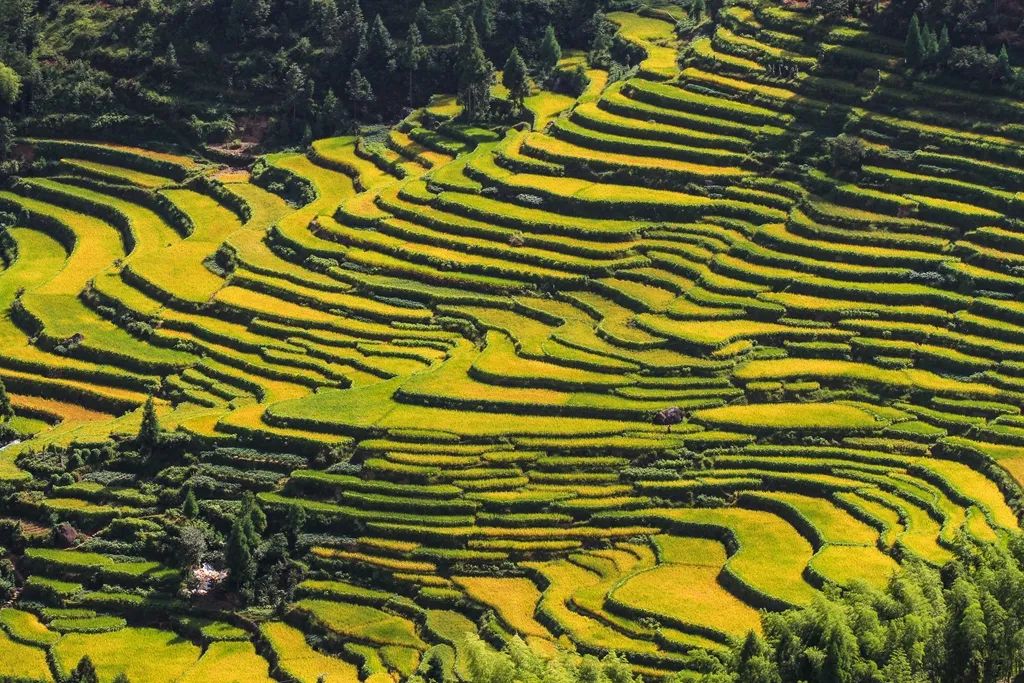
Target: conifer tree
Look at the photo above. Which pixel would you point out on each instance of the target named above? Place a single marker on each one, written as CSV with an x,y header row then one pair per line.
x,y
967,635
359,94
295,522
550,51
6,409
329,113
931,44
476,74
85,672
247,19
149,429
600,53
914,51
753,663
424,20
483,18
381,48
454,31
944,46
253,514
413,56
356,31
323,18
238,557
1003,64
516,78
171,58
190,508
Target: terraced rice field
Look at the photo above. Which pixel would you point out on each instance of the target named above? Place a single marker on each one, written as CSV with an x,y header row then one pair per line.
x,y
487,322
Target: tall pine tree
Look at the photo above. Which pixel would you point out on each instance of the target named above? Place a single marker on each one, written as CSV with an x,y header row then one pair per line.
x,y
382,52
1003,68
944,47
359,94
516,78
413,57
931,44
324,19
476,74
600,54
914,50
238,555
483,18
190,508
754,663
550,51
149,428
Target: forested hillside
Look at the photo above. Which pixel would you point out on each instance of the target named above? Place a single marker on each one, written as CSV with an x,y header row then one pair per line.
x,y
282,71
554,342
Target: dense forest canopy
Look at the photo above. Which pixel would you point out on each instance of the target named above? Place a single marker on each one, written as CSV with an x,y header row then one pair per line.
x,y
292,70
220,68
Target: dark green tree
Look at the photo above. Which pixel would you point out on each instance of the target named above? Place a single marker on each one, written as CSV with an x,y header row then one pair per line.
x,y
839,645
931,44
382,52
425,21
294,524
754,663
247,19
10,85
254,516
914,49
324,19
412,57
190,546
6,409
190,508
149,429
85,672
121,678
8,135
454,31
295,86
356,31
359,94
516,78
698,9
600,53
329,113
1003,67
171,58
476,74
967,635
238,555
944,46
483,19
550,52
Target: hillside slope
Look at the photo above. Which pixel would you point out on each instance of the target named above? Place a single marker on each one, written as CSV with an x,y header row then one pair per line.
x,y
451,358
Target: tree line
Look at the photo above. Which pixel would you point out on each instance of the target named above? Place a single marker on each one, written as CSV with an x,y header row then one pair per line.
x,y
973,41
961,623
284,71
